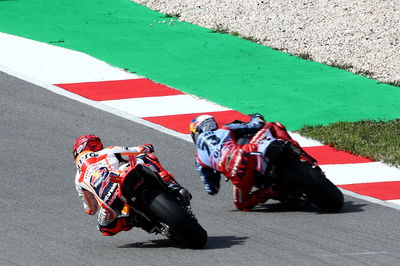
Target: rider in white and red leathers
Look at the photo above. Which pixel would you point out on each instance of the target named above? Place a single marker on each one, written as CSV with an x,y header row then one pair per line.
x,y
218,153
95,169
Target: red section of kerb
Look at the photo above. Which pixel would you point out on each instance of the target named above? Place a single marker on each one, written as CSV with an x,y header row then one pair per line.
x,y
328,155
380,190
119,89
181,123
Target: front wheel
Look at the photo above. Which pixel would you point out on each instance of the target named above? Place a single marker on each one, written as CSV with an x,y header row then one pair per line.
x,y
313,182
182,226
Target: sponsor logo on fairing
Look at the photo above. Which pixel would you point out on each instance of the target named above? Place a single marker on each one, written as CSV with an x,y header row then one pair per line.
x,y
97,177
236,163
110,192
113,197
240,164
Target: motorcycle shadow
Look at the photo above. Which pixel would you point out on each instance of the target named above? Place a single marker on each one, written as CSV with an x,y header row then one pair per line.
x,y
276,206
213,242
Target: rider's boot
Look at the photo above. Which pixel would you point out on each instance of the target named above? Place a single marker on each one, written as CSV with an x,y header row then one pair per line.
x,y
174,187
177,190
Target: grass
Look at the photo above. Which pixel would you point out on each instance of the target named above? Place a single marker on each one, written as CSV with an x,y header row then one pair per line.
x,y
220,29
171,15
365,73
377,140
340,66
59,41
305,56
249,38
394,83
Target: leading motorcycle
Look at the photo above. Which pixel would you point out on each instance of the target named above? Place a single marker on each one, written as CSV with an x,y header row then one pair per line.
x,y
293,173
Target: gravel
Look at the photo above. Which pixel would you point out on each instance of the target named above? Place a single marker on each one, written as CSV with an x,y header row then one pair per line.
x,y
362,36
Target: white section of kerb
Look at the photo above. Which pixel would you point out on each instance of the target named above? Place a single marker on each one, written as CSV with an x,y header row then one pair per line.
x,y
303,141
164,105
343,174
55,65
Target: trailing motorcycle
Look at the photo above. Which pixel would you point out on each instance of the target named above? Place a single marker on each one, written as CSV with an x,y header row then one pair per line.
x,y
158,210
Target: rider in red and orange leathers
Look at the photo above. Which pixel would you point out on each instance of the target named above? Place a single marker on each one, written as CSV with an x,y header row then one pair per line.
x,y
219,153
96,167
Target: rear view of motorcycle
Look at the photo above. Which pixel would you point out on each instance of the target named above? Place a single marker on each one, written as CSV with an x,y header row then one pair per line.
x,y
283,164
158,210
296,174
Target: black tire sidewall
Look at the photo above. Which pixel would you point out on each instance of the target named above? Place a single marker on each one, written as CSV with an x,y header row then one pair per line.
x,y
313,182
183,225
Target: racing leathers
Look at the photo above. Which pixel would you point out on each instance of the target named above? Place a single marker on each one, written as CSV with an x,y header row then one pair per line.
x,y
93,184
219,153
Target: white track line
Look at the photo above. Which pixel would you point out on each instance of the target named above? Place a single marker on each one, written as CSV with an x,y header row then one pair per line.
x,y
386,203
394,201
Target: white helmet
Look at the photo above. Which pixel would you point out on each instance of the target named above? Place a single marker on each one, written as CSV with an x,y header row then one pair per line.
x,y
202,123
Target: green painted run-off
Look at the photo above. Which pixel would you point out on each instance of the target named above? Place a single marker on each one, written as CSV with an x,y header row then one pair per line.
x,y
222,68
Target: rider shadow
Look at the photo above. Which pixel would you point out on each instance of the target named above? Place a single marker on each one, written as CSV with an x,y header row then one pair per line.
x,y
348,207
156,243
213,242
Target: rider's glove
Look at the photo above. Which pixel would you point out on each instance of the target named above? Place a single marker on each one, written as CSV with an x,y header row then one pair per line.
x,y
259,117
148,148
211,181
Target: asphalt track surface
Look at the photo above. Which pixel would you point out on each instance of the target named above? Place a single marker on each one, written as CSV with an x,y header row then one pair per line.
x,y
43,223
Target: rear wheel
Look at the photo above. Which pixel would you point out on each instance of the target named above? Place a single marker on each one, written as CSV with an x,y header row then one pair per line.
x,y
182,226
312,182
